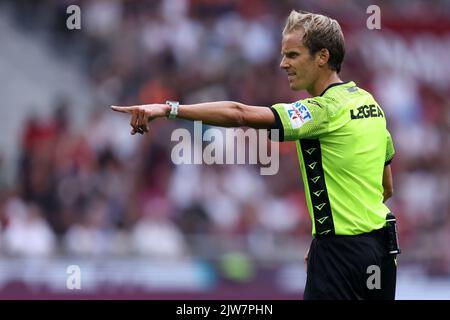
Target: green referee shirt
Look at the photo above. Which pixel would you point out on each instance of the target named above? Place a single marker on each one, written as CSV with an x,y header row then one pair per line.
x,y
342,146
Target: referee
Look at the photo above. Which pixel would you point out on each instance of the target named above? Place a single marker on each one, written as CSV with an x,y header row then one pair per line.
x,y
344,151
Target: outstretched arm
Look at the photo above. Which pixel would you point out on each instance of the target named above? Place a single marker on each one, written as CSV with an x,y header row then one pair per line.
x,y
223,114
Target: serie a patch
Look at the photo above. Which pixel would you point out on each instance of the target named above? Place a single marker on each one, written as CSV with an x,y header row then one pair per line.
x,y
298,114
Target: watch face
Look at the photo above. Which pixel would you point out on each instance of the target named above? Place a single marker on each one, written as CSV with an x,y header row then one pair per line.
x,y
173,109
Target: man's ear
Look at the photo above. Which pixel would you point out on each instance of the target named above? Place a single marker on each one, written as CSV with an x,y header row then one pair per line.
x,y
322,56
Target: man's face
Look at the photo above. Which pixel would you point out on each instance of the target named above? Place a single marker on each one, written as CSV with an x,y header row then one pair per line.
x,y
296,60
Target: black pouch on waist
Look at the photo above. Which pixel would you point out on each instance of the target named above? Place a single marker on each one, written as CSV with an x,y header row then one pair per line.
x,y
392,234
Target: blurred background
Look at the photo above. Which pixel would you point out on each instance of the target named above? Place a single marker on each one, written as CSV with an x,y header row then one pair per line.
x,y
77,189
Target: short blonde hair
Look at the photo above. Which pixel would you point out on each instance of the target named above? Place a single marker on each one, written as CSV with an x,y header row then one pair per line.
x,y
319,32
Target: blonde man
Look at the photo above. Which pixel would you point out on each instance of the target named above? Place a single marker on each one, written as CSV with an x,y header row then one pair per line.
x,y
344,152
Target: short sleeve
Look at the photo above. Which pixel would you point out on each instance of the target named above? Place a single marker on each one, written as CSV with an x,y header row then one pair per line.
x,y
301,119
390,150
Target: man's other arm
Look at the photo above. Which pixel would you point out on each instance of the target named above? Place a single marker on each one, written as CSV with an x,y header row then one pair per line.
x,y
388,185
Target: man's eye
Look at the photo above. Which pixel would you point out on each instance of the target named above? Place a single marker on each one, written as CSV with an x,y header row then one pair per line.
x,y
292,55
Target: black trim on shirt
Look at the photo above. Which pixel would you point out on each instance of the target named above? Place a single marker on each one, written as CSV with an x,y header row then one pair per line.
x,y
278,125
315,175
387,163
333,85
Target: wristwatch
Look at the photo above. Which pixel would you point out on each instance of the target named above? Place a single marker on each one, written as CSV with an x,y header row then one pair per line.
x,y
173,108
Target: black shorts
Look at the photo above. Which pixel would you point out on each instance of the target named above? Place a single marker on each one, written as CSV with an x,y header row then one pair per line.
x,y
351,268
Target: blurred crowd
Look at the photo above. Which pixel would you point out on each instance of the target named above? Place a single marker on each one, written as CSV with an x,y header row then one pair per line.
x,y
99,191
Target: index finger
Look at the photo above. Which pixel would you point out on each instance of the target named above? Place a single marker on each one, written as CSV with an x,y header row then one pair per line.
x,y
123,109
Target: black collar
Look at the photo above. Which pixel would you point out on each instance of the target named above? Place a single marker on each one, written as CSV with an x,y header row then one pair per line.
x,y
333,85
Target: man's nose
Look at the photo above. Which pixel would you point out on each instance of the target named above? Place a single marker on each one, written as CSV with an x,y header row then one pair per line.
x,y
283,63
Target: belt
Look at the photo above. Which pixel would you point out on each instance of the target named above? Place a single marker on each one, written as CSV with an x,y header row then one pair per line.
x,y
375,233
